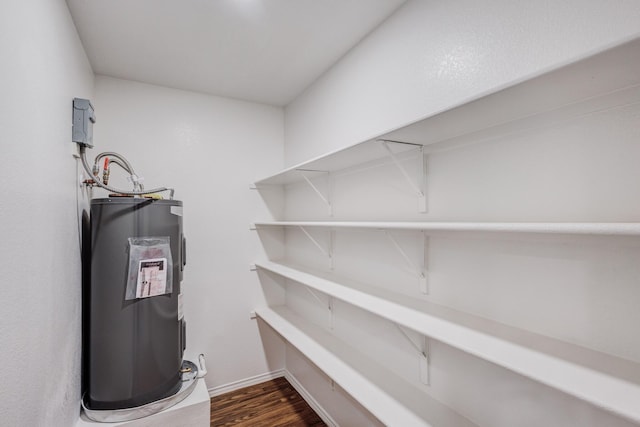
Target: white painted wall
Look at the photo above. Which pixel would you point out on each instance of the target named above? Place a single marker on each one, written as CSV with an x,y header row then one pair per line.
x,y
43,68
432,55
210,149
426,58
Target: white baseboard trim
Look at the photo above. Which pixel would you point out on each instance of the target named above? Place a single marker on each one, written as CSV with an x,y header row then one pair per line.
x,y
236,385
328,420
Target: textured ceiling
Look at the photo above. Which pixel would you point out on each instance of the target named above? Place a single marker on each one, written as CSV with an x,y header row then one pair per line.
x,y
265,51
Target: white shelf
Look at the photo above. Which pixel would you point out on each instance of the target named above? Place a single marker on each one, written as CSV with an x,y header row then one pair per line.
x,y
603,380
605,80
392,400
584,88
342,159
584,228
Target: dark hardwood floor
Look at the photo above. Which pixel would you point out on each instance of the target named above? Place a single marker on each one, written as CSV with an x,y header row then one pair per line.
x,y
273,403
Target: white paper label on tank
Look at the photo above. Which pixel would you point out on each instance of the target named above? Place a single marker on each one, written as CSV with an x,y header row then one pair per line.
x,y
152,277
180,310
176,210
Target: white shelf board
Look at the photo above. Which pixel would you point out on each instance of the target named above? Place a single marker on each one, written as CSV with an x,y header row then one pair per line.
x,y
604,80
584,228
391,399
338,160
603,380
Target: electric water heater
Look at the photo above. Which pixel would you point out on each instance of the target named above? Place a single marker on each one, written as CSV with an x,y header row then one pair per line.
x,y
135,333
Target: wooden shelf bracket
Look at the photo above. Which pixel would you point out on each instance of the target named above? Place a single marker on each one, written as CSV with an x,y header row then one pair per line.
x,y
419,186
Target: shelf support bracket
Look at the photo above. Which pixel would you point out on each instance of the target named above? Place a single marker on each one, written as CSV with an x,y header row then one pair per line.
x,y
424,278
331,317
328,253
328,304
326,200
420,188
424,351
420,271
315,295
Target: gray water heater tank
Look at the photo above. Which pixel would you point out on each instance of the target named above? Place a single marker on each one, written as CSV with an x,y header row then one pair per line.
x,y
132,347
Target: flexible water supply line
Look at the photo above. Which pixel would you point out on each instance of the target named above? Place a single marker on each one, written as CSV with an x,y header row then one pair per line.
x,y
121,161
116,161
129,168
83,157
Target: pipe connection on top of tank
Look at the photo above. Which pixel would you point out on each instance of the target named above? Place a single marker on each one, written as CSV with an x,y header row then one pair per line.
x,y
123,163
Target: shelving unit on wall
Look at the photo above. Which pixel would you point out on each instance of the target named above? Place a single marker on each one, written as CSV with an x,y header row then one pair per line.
x,y
390,399
607,80
591,228
603,380
604,82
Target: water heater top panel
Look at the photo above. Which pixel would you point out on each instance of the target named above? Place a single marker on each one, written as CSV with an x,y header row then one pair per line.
x,y
134,200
